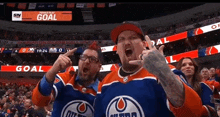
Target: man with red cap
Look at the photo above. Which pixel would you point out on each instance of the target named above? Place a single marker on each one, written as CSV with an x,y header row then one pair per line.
x,y
144,86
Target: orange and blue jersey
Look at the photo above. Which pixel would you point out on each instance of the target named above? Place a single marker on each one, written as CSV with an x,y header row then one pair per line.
x,y
141,95
70,98
207,89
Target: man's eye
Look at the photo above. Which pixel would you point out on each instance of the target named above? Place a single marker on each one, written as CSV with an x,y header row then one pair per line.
x,y
184,64
134,37
120,39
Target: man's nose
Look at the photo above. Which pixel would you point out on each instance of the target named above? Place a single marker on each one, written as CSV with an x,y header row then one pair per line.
x,y
127,42
87,60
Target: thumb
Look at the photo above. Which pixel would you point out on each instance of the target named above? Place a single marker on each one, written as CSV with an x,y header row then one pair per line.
x,y
161,49
136,62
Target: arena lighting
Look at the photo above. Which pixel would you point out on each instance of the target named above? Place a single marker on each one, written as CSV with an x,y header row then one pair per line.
x,y
110,67
175,37
164,40
170,59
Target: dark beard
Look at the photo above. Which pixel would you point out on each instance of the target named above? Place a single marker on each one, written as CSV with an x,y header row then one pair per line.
x,y
86,81
130,68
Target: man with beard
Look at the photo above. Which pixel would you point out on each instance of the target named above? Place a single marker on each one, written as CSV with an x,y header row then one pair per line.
x,y
73,93
145,85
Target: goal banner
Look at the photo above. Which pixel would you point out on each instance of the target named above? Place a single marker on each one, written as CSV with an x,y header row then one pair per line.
x,y
41,15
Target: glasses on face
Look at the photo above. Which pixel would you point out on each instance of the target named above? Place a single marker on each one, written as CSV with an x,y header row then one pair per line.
x,y
91,58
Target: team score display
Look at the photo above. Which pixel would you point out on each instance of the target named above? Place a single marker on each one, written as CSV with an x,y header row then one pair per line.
x,y
41,50
15,50
57,50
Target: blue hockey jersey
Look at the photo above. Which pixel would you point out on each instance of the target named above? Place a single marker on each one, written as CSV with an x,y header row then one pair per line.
x,y
140,95
70,98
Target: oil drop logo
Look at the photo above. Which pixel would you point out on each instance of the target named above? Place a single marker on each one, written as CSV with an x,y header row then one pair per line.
x,y
77,108
124,106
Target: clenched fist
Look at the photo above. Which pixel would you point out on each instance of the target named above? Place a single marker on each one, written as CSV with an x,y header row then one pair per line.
x,y
62,62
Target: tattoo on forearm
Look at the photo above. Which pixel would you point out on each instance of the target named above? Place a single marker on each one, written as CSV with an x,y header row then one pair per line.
x,y
155,63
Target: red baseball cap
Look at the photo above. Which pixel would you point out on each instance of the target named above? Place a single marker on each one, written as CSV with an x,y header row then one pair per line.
x,y
129,25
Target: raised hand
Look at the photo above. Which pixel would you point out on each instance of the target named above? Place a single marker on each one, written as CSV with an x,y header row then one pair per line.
x,y
62,62
154,61
151,59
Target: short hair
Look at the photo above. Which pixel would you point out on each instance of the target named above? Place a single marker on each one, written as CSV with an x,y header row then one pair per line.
x,y
97,48
204,68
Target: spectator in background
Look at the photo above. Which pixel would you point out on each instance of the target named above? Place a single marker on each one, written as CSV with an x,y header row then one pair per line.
x,y
6,109
190,69
205,74
39,111
28,108
213,75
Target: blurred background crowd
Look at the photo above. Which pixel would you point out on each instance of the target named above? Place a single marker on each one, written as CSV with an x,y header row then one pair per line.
x,y
15,98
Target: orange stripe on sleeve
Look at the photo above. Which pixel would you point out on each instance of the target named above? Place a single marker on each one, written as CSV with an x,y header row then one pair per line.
x,y
38,99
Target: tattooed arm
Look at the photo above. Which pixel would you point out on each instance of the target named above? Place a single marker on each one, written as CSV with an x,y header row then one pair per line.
x,y
155,63
182,100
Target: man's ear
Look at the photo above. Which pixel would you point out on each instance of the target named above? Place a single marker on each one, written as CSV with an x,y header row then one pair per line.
x,y
100,66
144,44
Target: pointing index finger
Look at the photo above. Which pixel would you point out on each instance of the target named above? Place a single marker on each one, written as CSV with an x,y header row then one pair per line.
x,y
71,52
149,43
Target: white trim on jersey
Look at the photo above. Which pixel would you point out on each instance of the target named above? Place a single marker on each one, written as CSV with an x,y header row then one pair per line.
x,y
72,86
153,78
167,103
130,74
60,79
207,111
56,91
208,86
136,71
110,83
173,69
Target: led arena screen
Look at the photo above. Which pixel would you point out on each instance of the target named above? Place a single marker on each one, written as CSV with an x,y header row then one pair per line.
x,y
41,15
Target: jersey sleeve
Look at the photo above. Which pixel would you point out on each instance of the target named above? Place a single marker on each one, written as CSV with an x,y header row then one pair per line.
x,y
192,106
44,92
206,108
39,99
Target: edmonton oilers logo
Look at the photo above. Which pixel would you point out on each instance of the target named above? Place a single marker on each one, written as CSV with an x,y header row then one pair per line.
x,y
77,108
124,106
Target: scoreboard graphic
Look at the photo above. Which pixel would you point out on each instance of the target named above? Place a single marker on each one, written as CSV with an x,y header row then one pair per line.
x,y
41,15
